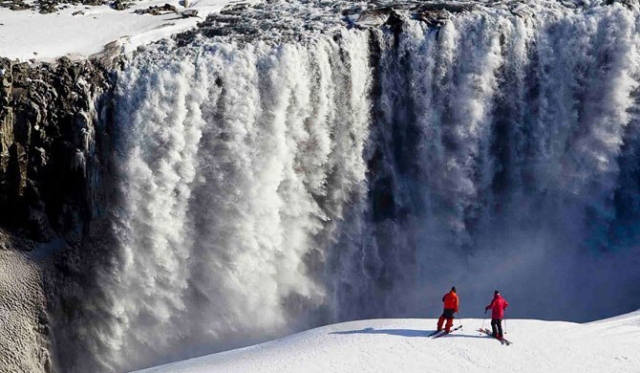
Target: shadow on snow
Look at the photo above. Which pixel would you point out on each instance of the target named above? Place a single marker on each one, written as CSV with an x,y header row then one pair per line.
x,y
405,333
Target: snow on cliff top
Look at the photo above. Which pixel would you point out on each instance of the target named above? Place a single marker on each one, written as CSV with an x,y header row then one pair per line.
x,y
402,345
27,34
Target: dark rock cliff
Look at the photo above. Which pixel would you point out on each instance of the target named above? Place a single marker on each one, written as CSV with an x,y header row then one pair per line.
x,y
52,120
54,165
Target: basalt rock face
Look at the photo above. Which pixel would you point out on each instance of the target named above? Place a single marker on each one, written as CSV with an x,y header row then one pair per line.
x,y
54,151
49,163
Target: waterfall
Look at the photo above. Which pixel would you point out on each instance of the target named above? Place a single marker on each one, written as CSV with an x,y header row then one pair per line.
x,y
235,161
268,187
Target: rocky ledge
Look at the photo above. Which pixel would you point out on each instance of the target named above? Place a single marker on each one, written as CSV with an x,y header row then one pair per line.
x,y
54,156
52,6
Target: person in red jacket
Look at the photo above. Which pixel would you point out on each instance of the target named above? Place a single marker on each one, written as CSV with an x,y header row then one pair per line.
x,y
450,307
497,307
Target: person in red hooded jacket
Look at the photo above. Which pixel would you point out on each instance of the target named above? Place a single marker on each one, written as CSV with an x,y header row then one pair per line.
x,y
497,307
451,303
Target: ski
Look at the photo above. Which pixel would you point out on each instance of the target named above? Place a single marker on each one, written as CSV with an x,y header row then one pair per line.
x,y
442,333
434,333
502,341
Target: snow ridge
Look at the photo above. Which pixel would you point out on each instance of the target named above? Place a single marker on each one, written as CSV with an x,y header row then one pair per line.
x,y
78,31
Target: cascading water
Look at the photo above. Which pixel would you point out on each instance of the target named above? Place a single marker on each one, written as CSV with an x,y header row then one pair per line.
x,y
235,160
268,187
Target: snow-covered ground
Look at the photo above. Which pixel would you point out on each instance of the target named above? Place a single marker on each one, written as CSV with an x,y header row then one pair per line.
x,y
403,345
27,34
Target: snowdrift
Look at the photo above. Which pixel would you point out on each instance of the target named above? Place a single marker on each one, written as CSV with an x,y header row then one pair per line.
x,y
78,31
403,345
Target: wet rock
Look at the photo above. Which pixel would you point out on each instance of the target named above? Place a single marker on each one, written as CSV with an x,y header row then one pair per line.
x,y
374,17
433,18
631,4
395,21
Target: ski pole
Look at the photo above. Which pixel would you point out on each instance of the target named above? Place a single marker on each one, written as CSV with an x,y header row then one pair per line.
x,y
483,320
460,319
505,323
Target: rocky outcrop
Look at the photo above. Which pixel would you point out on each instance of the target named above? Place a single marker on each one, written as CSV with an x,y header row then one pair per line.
x,y
48,130
279,21
52,6
155,10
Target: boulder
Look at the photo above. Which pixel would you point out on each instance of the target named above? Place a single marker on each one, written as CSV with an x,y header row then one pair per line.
x,y
120,5
189,13
158,10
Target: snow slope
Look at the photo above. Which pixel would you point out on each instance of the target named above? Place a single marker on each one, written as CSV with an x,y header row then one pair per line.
x,y
402,345
21,308
27,34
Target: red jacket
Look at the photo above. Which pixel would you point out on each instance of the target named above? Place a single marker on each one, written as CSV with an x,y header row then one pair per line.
x,y
451,301
497,306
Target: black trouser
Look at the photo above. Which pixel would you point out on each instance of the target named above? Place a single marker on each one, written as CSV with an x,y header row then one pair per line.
x,y
448,313
496,324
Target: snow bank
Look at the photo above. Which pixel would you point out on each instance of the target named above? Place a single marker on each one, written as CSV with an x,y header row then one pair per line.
x,y
402,345
27,34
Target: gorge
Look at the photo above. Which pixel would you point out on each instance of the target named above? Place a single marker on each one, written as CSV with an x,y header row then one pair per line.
x,y
287,165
